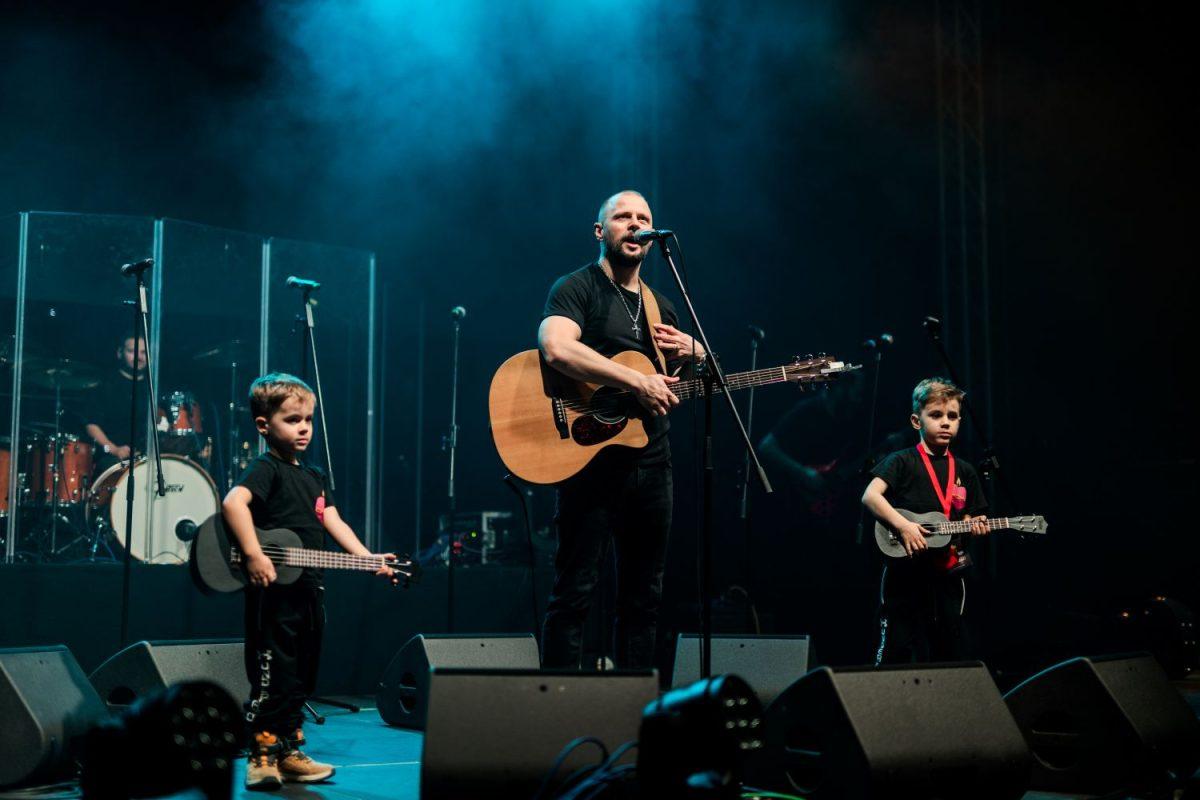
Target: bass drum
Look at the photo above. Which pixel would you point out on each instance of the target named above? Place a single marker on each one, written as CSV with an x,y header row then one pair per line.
x,y
191,499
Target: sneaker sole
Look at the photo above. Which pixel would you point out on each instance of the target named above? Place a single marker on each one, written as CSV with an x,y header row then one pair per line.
x,y
309,778
271,785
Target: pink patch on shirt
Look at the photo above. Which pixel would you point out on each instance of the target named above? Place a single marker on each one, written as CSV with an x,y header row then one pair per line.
x,y
320,508
958,498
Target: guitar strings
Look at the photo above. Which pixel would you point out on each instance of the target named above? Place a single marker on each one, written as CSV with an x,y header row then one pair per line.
x,y
303,557
685,389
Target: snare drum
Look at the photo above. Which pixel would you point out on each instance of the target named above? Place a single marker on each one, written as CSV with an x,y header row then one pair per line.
x,y
190,500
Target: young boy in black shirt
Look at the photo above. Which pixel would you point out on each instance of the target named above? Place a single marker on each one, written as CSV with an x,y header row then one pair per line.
x,y
922,597
283,623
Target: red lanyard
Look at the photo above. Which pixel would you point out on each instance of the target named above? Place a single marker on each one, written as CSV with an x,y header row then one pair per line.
x,y
943,497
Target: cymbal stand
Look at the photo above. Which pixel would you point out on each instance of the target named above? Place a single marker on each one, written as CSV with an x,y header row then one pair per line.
x,y
231,452
55,464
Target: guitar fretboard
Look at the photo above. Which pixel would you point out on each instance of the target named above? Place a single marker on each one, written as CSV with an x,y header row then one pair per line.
x,y
694,387
321,559
962,526
688,389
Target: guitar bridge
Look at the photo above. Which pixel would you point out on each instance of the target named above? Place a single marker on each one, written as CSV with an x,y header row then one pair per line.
x,y
560,418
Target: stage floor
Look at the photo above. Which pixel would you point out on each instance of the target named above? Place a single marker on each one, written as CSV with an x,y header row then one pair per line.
x,y
375,761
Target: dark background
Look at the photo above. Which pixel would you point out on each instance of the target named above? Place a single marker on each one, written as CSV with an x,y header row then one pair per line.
x,y
792,145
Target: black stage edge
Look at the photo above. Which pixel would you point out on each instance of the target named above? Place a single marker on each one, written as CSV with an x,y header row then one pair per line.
x,y
368,620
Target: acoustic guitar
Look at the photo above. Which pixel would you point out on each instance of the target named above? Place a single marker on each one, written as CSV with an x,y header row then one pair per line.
x,y
547,427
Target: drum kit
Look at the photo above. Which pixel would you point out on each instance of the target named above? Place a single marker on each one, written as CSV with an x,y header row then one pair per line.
x,y
72,510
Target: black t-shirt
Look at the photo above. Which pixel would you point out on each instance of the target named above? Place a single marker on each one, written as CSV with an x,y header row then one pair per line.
x,y
108,406
587,297
909,486
291,496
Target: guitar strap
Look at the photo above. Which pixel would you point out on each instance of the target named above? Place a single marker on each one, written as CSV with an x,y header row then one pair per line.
x,y
945,498
653,318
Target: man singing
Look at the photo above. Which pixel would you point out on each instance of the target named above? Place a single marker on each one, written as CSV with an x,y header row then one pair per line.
x,y
624,495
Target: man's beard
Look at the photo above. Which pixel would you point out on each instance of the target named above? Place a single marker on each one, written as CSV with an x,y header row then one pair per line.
x,y
618,260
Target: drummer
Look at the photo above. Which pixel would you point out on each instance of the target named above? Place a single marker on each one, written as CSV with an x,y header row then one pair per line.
x,y
108,415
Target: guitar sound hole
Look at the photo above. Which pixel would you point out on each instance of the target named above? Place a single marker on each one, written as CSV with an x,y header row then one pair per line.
x,y
589,430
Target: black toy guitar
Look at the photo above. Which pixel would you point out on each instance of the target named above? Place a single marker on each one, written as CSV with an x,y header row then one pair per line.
x,y
216,562
943,532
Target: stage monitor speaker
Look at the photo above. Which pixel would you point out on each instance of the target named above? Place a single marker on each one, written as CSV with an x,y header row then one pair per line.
x,y
145,667
498,733
46,704
1106,724
922,731
768,663
403,692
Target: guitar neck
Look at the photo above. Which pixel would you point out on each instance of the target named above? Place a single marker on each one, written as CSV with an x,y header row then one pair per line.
x,y
685,390
319,559
962,526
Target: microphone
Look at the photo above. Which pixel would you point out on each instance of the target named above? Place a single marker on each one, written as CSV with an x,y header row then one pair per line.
x,y
458,312
302,283
933,325
756,333
137,267
641,237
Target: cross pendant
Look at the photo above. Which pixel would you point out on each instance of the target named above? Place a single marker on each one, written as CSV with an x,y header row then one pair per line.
x,y
637,333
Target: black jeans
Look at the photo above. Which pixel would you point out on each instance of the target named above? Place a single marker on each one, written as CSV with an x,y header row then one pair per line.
x,y
921,614
631,508
284,625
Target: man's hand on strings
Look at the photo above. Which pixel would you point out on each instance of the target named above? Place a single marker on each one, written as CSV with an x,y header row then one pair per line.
x,y
654,393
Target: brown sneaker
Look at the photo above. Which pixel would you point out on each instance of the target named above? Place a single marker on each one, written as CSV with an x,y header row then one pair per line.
x,y
262,765
296,767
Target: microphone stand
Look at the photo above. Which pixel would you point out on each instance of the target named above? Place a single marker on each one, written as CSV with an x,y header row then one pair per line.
x,y
713,378
141,332
450,444
989,464
756,335
309,344
868,459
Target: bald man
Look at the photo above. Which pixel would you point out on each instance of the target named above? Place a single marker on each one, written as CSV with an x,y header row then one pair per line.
x,y
624,495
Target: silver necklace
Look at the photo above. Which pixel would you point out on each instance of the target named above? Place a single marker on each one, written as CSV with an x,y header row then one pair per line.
x,y
637,329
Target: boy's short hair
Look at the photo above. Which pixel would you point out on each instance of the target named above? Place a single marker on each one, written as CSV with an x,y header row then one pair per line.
x,y
932,390
269,392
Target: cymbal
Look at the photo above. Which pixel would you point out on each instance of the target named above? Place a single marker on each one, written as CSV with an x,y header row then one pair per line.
x,y
238,350
61,373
